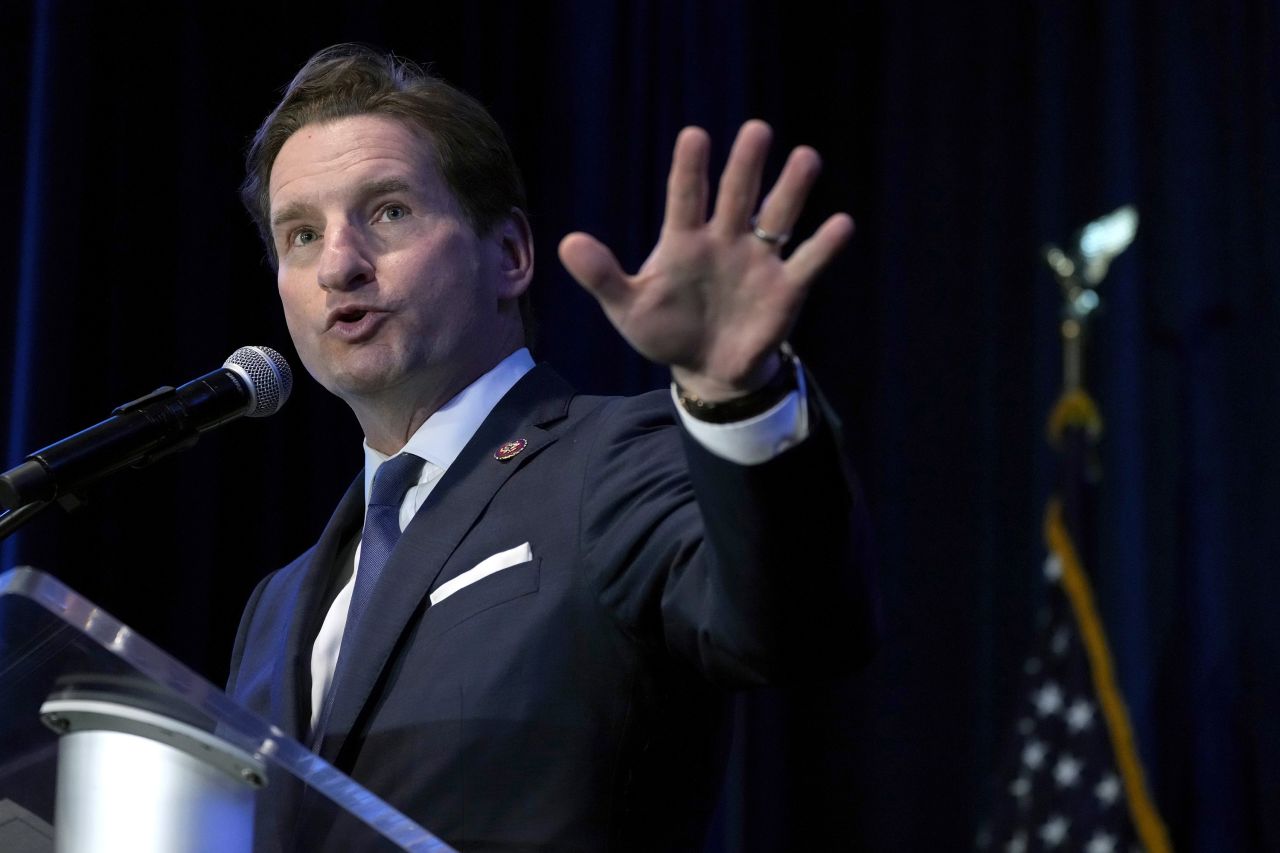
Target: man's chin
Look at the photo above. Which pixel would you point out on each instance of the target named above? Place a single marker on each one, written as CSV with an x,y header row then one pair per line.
x,y
361,389
360,382
362,372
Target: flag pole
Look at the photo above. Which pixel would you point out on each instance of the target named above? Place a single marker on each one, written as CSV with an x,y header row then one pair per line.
x,y
1080,271
1075,417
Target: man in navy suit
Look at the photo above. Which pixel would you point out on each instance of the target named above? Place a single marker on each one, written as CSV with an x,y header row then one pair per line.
x,y
541,659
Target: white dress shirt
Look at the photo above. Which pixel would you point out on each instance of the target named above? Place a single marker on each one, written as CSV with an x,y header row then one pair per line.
x,y
441,438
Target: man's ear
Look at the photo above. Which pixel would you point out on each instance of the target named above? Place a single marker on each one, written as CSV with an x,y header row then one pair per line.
x,y
515,243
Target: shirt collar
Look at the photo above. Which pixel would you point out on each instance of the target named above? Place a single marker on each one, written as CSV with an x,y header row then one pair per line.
x,y
443,435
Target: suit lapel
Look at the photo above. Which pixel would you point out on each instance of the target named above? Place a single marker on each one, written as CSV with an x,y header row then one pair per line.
x,y
529,411
292,676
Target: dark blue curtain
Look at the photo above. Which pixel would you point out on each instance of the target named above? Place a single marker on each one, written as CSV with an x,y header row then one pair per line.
x,y
962,137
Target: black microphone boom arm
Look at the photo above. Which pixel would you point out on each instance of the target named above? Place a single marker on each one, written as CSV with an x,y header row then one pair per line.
x,y
139,432
255,382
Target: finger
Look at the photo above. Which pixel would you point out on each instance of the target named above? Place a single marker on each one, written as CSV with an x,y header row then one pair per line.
x,y
594,266
781,208
811,256
740,183
687,186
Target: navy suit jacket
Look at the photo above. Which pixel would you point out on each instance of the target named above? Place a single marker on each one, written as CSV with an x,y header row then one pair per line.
x,y
574,701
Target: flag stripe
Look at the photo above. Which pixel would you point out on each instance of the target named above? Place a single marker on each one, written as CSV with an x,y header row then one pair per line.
x,y
1151,829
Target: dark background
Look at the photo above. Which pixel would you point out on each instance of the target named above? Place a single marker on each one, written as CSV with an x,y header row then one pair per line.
x,y
961,137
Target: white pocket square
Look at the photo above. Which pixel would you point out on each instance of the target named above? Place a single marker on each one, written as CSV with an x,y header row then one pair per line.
x,y
489,565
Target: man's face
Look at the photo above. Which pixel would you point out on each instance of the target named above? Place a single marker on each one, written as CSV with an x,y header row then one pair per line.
x,y
391,298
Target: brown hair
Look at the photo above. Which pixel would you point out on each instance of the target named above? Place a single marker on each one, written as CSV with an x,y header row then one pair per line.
x,y
354,79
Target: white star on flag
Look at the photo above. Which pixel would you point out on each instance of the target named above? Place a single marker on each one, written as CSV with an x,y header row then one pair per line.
x,y
1034,754
1067,771
1061,641
1080,715
1054,832
1053,567
1048,699
1100,843
1108,790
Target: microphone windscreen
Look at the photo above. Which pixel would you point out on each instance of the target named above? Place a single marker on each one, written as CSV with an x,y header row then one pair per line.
x,y
268,375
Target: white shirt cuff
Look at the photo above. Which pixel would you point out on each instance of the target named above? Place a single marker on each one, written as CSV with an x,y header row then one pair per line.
x,y
757,439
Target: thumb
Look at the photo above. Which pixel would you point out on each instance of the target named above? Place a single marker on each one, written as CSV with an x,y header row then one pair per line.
x,y
593,266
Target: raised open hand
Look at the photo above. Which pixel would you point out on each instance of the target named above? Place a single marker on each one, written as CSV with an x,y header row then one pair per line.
x,y
715,298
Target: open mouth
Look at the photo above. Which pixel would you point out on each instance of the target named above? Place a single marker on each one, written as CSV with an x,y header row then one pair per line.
x,y
350,315
355,323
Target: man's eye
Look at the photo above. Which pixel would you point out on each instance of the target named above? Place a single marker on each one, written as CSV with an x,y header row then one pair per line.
x,y
392,212
304,236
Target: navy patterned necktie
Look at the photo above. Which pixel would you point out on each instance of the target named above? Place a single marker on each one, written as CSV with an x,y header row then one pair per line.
x,y
381,526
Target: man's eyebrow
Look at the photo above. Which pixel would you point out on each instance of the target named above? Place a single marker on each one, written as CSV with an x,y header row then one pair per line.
x,y
290,212
301,209
386,186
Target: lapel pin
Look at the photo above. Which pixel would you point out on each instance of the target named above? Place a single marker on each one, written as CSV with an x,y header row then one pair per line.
x,y
510,449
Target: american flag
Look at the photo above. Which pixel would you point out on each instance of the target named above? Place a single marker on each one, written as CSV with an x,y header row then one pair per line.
x,y
1070,779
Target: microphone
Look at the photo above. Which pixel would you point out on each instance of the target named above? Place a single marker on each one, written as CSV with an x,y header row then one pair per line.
x,y
253,382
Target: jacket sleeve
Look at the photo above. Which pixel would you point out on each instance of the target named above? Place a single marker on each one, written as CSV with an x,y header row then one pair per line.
x,y
753,574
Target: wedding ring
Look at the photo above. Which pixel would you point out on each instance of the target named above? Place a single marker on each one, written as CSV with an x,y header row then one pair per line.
x,y
775,240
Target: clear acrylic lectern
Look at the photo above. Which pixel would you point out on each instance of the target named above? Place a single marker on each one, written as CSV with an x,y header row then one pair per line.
x,y
109,744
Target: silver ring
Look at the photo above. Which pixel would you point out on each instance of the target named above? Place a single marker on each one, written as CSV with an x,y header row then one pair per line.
x,y
775,240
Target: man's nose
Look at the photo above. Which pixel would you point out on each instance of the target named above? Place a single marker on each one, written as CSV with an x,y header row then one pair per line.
x,y
345,261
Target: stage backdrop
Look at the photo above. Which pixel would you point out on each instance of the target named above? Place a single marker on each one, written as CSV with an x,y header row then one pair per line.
x,y
961,136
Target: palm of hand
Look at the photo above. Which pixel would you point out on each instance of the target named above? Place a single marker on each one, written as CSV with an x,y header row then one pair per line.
x,y
713,300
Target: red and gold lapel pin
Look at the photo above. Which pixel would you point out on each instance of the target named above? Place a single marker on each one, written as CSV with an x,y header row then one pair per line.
x,y
510,449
